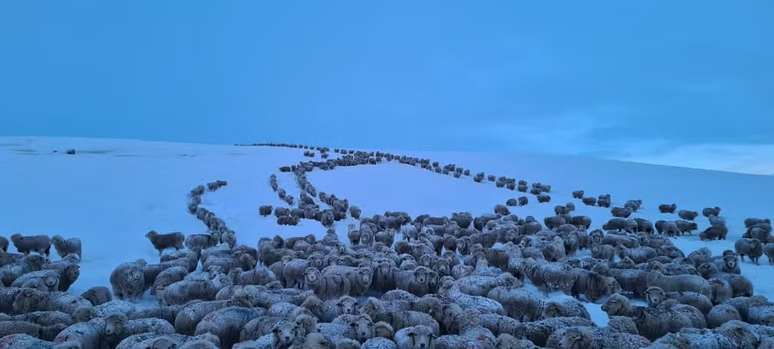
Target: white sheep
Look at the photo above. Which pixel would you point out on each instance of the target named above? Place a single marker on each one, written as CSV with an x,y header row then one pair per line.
x,y
328,286
118,327
29,300
226,323
90,334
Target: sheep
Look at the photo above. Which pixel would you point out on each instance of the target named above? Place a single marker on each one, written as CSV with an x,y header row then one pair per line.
x,y
593,285
44,318
226,324
415,337
327,286
50,279
539,331
667,208
543,197
359,278
118,327
564,307
655,322
605,251
167,277
29,300
200,241
397,318
721,314
34,243
186,290
97,295
630,280
710,211
128,279
714,232
687,215
377,343
518,303
164,241
90,334
752,248
66,246
679,283
638,255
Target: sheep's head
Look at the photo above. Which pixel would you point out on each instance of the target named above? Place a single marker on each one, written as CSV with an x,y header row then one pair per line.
x,y
362,328
432,279
84,313
730,262
284,332
421,336
163,343
575,338
114,324
617,304
306,324
311,275
420,275
51,280
644,240
72,272
151,234
366,274
16,238
654,295
347,305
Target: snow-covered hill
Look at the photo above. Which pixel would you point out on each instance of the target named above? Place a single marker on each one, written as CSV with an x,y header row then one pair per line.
x,y
112,192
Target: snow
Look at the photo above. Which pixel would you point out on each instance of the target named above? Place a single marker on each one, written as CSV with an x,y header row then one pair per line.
x,y
114,191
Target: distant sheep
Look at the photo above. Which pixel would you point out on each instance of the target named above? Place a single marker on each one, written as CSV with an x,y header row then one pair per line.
x,y
578,194
66,246
752,248
710,211
687,215
667,208
164,241
34,243
265,210
543,197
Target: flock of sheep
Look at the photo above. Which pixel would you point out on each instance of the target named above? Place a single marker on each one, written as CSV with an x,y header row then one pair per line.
x,y
424,282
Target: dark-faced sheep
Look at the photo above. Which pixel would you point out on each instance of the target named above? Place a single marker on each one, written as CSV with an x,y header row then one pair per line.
x,y
162,242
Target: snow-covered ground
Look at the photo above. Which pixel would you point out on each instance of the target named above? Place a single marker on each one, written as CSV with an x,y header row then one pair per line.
x,y
114,191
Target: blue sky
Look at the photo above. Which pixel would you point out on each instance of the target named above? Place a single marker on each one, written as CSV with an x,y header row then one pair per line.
x,y
678,82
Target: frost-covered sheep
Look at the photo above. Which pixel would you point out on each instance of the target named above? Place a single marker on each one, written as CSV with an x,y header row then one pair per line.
x,y
164,241
605,252
90,334
539,331
167,277
50,279
40,244
184,291
29,300
397,318
518,303
721,314
564,307
543,197
710,211
327,286
360,279
227,324
578,194
638,254
679,283
66,246
379,343
415,337
118,327
128,279
593,285
200,241
97,295
752,248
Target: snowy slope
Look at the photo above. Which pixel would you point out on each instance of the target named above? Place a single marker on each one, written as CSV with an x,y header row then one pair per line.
x,y
114,191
